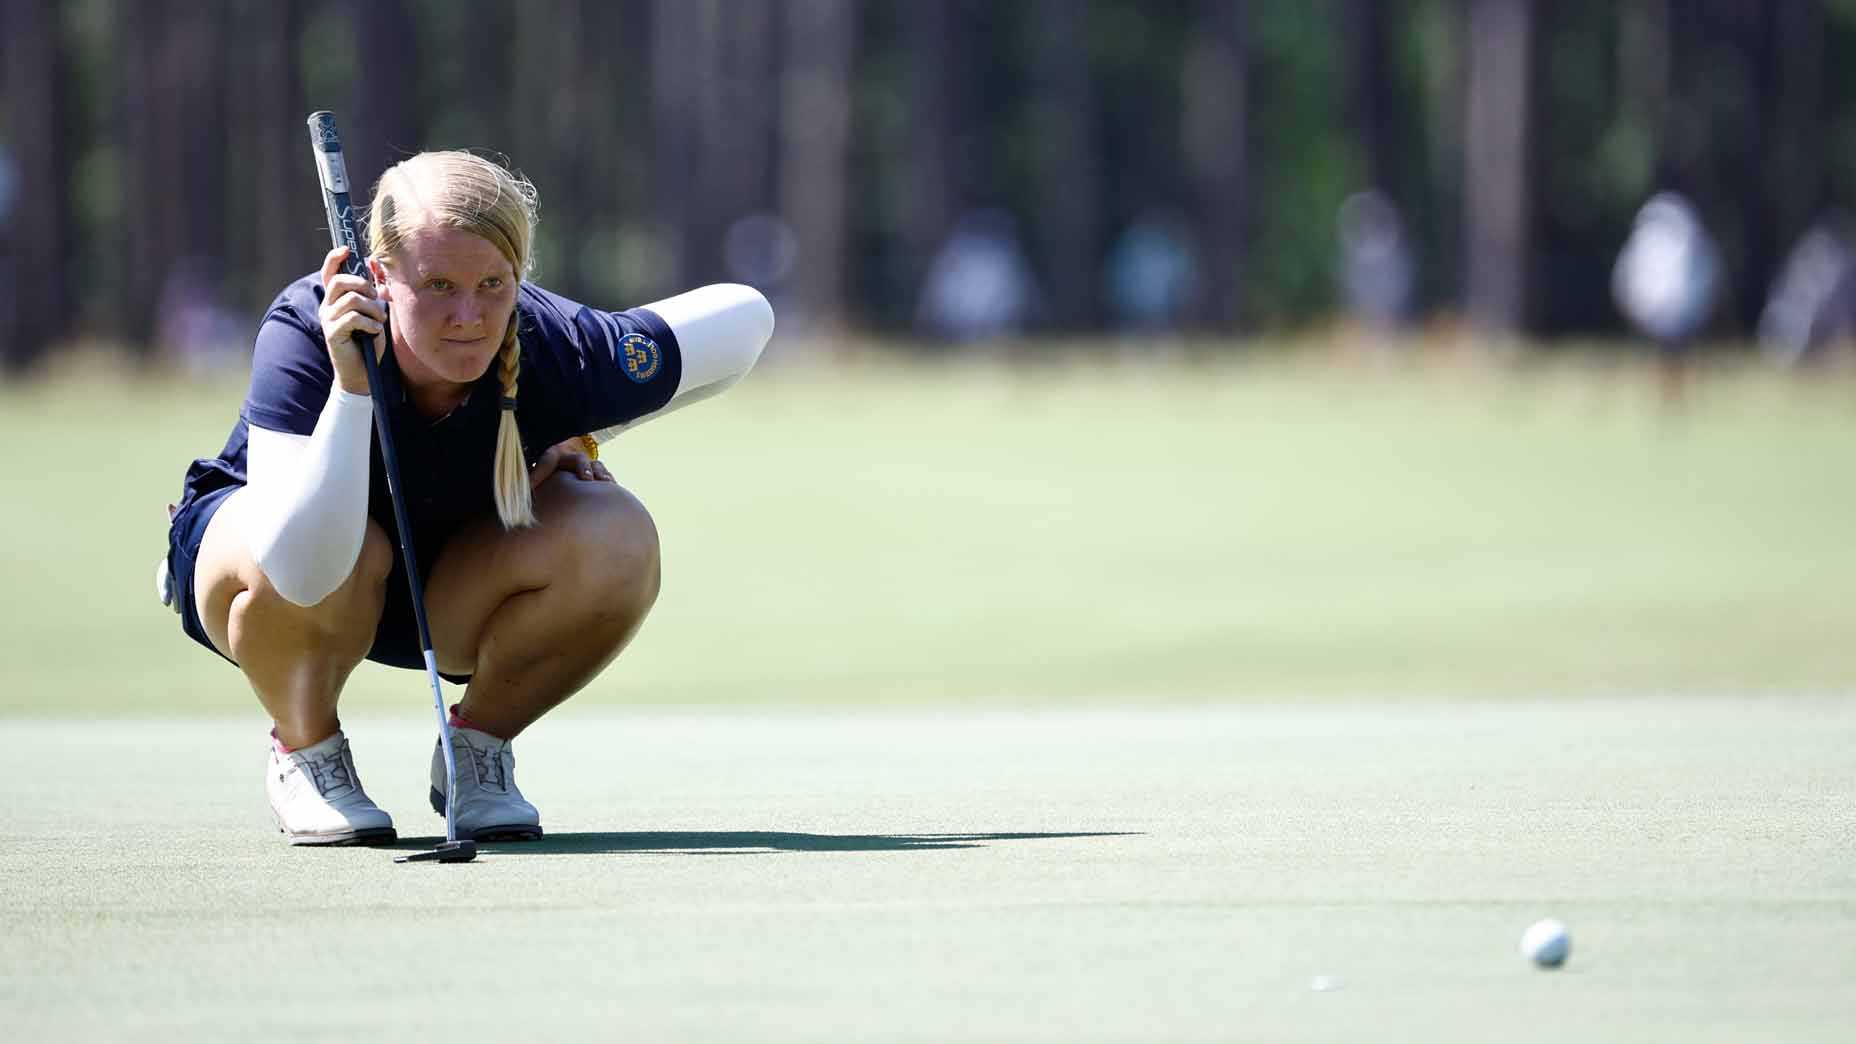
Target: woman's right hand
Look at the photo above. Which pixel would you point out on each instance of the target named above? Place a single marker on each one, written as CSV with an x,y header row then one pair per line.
x,y
349,307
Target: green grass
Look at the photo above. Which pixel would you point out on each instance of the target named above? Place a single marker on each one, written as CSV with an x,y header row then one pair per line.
x,y
1158,874
1260,591
1095,529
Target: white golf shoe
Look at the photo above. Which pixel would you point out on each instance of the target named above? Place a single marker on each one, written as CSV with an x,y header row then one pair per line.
x,y
489,807
316,796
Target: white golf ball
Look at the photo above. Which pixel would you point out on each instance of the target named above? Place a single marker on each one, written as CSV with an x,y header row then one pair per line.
x,y
1546,943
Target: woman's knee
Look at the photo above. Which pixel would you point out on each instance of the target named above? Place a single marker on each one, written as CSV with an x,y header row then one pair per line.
x,y
610,540
627,544
366,583
374,564
346,618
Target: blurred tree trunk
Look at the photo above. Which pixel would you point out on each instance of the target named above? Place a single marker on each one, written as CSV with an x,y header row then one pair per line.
x,y
815,119
1780,178
1375,94
626,101
483,105
133,125
614,159
1066,164
172,114
680,64
1645,62
1687,139
273,203
198,121
1741,105
736,147
35,174
387,124
1752,29
552,117
1498,66
936,55
710,67
1215,134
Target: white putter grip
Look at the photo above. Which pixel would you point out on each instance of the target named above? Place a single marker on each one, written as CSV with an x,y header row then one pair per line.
x,y
720,331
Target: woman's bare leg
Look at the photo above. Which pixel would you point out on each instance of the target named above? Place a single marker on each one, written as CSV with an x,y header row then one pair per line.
x,y
535,614
297,658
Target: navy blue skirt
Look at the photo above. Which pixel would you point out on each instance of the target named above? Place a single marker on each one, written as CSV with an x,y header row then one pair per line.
x,y
396,636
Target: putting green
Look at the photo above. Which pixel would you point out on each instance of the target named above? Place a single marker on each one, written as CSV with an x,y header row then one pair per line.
x,y
1101,874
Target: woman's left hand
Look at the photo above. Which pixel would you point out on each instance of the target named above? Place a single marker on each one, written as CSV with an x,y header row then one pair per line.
x,y
570,457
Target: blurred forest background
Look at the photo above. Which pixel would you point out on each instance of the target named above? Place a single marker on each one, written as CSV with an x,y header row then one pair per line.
x,y
944,170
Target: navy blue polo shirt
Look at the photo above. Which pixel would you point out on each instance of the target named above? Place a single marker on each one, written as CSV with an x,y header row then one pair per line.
x,y
582,370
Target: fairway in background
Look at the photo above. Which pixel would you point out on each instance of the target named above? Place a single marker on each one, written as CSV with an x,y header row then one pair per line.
x,y
1092,530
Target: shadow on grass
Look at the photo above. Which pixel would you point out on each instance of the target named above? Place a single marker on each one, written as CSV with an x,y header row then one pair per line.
x,y
743,842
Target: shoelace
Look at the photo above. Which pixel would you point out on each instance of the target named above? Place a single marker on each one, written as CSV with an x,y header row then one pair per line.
x,y
336,768
492,772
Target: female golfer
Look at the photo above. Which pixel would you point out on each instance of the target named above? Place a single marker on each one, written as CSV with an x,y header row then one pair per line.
x,y
538,568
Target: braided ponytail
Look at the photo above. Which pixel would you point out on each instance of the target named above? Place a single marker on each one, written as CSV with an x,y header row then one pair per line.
x,y
514,505
468,192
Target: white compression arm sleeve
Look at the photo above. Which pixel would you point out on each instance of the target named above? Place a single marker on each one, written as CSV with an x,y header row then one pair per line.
x,y
720,332
309,499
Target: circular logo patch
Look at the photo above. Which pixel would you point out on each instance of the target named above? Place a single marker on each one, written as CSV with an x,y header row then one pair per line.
x,y
639,356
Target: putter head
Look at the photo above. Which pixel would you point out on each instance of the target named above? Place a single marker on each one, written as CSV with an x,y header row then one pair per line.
x,y
445,852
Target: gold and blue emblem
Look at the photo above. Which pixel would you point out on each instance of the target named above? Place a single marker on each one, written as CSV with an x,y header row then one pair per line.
x,y
639,357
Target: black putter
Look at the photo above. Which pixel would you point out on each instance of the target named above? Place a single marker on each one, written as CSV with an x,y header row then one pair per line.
x,y
333,172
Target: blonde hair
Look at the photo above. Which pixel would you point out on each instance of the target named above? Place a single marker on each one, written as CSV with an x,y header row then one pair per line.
x,y
464,191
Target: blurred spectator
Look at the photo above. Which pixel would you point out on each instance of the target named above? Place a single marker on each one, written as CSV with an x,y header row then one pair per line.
x,y
979,286
193,326
9,319
760,250
9,182
1668,271
1151,277
1665,282
1813,300
1376,267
